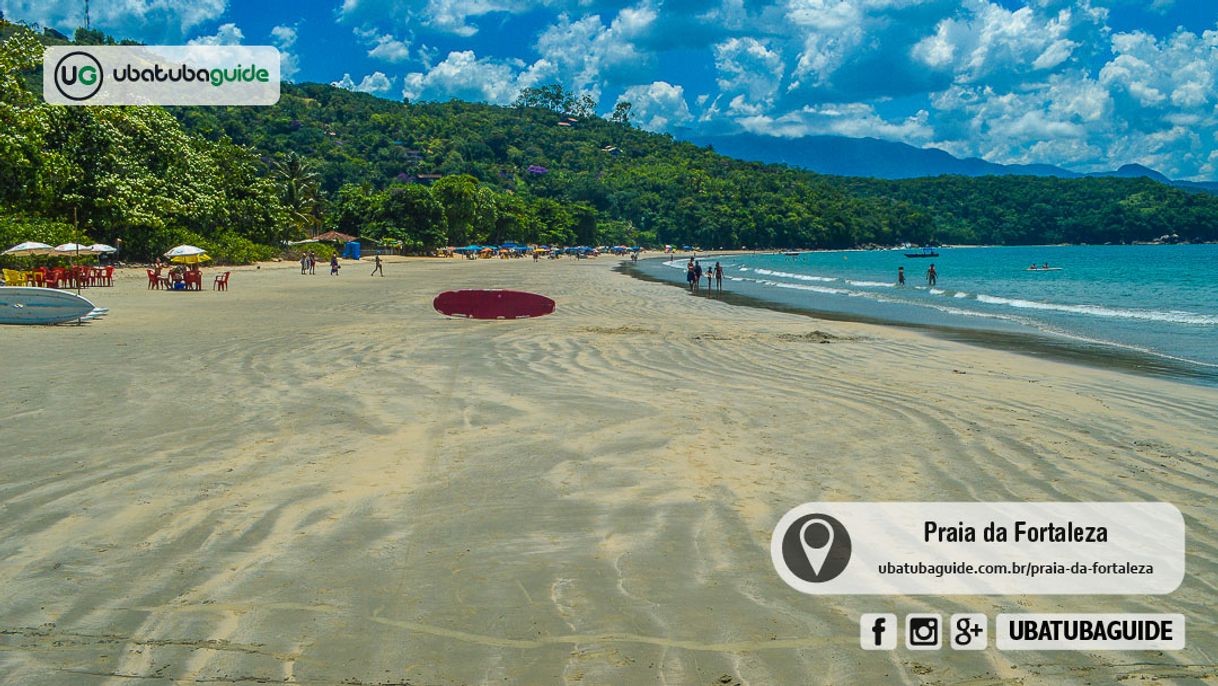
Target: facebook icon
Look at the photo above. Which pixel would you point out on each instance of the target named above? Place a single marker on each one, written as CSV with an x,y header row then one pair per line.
x,y
878,631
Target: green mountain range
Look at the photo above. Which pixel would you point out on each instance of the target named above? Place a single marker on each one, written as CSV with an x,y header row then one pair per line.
x,y
240,180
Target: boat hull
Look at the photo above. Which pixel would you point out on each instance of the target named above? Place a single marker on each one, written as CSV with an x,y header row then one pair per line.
x,y
26,305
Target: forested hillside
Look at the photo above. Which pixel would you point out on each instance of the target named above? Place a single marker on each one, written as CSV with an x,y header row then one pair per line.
x,y
1029,210
241,180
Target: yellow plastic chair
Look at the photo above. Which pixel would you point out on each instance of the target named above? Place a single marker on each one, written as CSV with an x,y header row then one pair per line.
x,y
14,278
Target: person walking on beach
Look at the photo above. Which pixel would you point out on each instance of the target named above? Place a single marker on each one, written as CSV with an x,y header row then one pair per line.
x,y
697,275
690,278
932,277
312,262
304,263
710,279
378,267
719,276
334,267
900,276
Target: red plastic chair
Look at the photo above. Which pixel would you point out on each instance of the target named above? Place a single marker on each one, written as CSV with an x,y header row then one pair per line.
x,y
194,281
107,276
221,282
154,279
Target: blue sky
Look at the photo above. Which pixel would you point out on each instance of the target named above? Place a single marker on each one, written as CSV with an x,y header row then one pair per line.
x,y
1084,84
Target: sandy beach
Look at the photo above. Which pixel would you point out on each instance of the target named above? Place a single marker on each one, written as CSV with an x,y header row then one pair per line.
x,y
320,480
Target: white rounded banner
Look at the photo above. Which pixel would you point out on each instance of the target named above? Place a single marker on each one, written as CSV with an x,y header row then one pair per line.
x,y
160,75
980,548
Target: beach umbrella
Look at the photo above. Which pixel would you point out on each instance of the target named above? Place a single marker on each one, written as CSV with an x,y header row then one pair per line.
x,y
190,259
187,254
74,249
30,248
102,248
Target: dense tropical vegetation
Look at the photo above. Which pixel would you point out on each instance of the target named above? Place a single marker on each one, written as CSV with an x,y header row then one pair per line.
x,y
241,181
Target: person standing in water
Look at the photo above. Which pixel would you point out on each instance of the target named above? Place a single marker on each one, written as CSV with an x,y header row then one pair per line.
x,y
719,276
932,277
378,267
900,276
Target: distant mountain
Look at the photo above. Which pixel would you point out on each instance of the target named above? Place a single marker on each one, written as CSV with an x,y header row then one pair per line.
x,y
1134,171
870,157
880,159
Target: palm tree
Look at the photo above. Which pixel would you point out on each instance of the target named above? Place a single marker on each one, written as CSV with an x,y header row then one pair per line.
x,y
300,190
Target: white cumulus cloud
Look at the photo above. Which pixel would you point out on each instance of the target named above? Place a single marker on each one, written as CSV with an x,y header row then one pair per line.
x,y
658,106
376,83
463,75
588,53
748,68
384,46
284,38
146,20
855,120
227,34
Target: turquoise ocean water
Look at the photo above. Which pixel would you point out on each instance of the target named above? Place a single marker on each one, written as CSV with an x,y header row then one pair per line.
x,y
1157,303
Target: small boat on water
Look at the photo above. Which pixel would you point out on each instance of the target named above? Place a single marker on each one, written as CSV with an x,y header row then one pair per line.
x,y
926,252
1043,269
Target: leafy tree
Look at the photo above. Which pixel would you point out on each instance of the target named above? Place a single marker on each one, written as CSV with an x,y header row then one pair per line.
x,y
469,209
551,97
413,215
355,209
299,188
622,113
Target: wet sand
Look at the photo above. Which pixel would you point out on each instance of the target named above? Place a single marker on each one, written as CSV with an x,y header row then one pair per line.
x,y
320,480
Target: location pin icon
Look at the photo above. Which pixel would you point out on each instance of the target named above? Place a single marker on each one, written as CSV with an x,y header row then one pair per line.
x,y
816,537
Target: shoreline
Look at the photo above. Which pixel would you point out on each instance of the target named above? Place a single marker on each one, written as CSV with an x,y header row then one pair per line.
x,y
1091,354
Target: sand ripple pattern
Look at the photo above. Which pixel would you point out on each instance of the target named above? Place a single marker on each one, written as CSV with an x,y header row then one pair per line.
x,y
321,481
